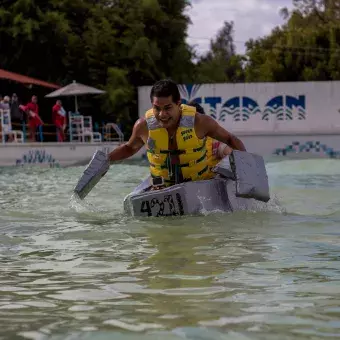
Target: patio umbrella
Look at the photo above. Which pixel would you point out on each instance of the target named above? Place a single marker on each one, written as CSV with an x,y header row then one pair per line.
x,y
74,89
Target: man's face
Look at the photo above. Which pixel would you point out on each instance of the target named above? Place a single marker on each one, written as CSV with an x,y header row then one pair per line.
x,y
34,99
166,111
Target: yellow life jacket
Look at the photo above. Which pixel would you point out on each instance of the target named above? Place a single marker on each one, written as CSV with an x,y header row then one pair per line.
x,y
191,151
212,159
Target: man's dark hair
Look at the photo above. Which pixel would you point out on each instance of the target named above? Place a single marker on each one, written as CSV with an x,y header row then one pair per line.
x,y
198,107
165,88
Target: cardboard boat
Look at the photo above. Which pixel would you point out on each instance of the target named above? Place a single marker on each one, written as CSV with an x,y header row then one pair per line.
x,y
241,180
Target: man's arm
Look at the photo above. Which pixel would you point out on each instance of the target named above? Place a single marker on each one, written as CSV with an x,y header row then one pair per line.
x,y
134,144
207,126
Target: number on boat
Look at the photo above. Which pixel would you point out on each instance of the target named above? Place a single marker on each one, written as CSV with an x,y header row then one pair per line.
x,y
145,208
156,207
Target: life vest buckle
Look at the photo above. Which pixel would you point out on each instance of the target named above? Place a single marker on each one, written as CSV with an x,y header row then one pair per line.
x,y
157,181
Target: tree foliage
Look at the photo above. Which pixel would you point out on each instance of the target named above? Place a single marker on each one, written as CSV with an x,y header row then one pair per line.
x,y
305,48
114,44
221,63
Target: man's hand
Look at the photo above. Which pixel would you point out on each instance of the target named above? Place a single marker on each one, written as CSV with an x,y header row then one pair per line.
x,y
134,144
207,126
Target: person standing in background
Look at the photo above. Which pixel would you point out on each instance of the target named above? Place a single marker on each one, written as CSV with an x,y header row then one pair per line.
x,y
17,117
34,120
59,120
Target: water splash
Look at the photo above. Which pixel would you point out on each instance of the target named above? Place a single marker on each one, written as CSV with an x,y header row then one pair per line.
x,y
80,205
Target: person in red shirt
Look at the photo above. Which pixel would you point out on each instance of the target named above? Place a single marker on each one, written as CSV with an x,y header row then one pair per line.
x,y
34,120
59,120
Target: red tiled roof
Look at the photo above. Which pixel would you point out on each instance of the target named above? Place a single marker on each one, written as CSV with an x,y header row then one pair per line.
x,y
26,80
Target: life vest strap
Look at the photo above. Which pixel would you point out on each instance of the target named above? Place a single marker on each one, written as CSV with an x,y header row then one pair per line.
x,y
166,152
191,163
175,152
203,171
172,182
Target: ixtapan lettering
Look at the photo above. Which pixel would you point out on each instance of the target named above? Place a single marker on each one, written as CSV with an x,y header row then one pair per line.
x,y
282,107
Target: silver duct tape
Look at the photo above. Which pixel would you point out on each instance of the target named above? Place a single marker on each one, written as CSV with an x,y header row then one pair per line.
x,y
241,180
224,169
95,170
250,175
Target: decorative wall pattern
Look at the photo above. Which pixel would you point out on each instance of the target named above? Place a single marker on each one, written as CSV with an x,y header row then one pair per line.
x,y
312,147
37,157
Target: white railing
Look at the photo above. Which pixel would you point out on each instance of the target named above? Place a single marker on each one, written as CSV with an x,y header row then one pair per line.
x,y
15,136
81,129
108,136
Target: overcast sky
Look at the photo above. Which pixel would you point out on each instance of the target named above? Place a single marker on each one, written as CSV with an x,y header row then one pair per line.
x,y
252,19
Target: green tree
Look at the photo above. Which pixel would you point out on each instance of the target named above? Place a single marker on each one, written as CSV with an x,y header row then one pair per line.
x,y
305,48
113,44
221,63
119,95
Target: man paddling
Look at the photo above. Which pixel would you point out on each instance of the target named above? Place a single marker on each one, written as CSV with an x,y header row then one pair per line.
x,y
175,137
